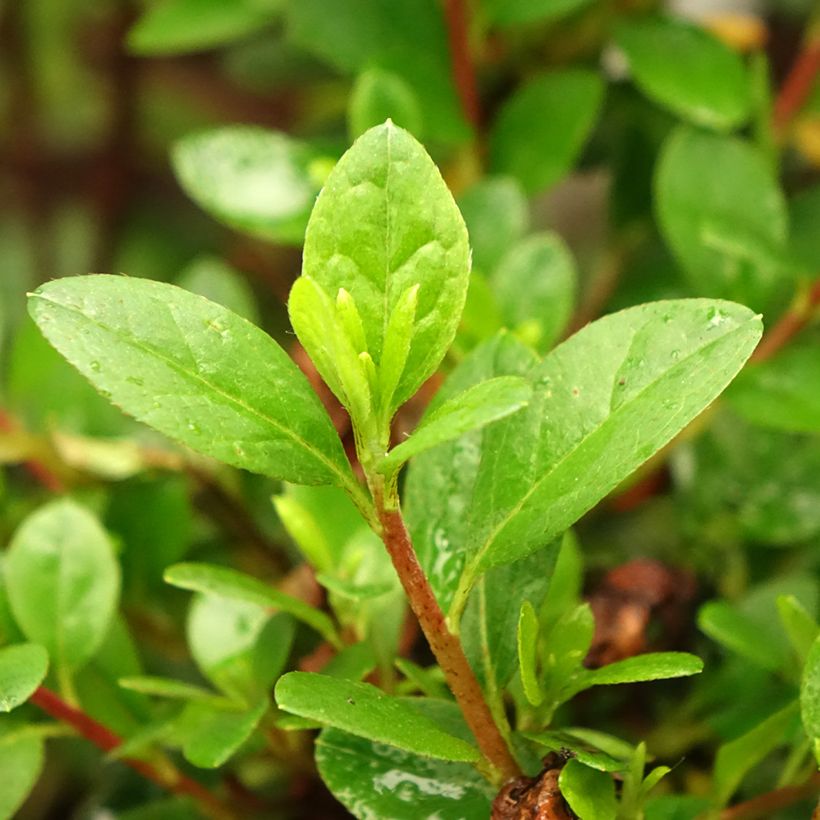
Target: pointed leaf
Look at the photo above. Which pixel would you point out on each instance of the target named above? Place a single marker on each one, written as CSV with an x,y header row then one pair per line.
x,y
22,669
474,408
228,583
589,792
384,222
63,582
367,712
194,371
176,690
652,666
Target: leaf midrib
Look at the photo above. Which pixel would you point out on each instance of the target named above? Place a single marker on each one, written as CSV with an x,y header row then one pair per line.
x,y
479,555
197,377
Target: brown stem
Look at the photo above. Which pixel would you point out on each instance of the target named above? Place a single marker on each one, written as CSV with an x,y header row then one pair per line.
x,y
457,17
445,646
103,738
789,325
765,805
798,84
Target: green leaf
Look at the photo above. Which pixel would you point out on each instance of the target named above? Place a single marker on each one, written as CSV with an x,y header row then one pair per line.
x,y
223,582
589,792
800,627
63,582
383,224
367,712
21,760
810,692
686,69
175,690
496,213
652,666
738,632
212,736
604,401
703,186
542,127
216,280
22,669
374,780
181,26
585,753
782,392
567,645
193,370
535,284
258,181
473,409
528,654
736,758
804,211
354,662
380,95
440,482
516,12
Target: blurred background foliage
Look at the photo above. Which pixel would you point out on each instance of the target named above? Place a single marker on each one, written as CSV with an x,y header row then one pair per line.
x,y
603,152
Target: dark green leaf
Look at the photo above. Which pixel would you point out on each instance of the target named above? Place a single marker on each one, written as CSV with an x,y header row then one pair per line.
x,y
22,669
804,211
589,792
367,712
374,780
515,12
193,370
63,582
686,69
252,179
541,129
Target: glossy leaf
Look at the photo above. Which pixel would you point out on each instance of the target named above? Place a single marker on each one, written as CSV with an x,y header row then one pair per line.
x,y
223,582
589,792
375,780
379,95
181,26
473,409
367,712
540,130
384,223
21,760
63,582
810,692
703,185
686,69
528,654
22,669
602,404
535,285
192,369
652,666
258,181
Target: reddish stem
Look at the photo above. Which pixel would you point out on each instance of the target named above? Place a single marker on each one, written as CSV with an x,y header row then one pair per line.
x,y
788,326
457,16
765,805
798,84
50,480
103,738
445,646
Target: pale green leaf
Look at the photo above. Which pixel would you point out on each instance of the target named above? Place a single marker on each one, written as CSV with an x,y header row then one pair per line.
x,y
473,409
22,669
528,654
589,792
63,582
229,583
686,69
194,371
258,181
384,223
367,712
541,129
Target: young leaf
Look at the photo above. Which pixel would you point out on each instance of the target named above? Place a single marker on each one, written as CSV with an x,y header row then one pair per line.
x,y
541,129
528,654
589,792
63,582
535,285
379,95
181,26
257,181
652,666
365,711
176,690
22,669
228,583
21,759
736,758
703,183
384,222
194,371
602,405
375,780
810,693
687,70
474,408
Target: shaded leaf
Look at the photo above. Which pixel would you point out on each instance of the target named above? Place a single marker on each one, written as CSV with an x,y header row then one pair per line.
x,y
586,753
810,692
800,627
589,792
517,12
21,760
